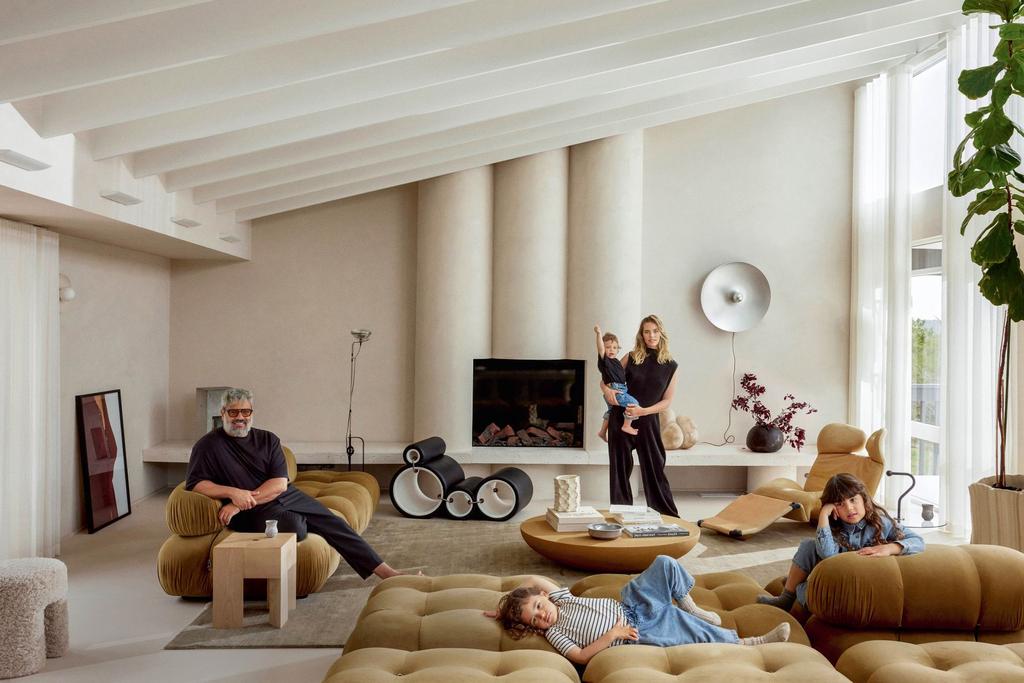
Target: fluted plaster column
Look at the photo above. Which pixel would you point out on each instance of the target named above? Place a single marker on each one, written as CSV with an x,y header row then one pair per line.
x,y
453,301
605,230
530,241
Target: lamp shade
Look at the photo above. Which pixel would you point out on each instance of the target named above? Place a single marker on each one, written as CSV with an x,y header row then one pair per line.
x,y
735,296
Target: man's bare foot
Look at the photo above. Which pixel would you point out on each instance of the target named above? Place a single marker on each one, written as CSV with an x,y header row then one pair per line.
x,y
629,430
386,571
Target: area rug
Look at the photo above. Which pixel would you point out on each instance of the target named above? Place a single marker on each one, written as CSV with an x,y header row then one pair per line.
x,y
438,547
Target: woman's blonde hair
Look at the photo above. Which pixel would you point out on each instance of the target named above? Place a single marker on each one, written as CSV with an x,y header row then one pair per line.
x,y
639,352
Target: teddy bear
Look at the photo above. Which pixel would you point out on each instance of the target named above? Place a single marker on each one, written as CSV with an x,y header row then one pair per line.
x,y
677,432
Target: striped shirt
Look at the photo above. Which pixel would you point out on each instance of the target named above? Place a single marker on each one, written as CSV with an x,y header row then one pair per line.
x,y
581,621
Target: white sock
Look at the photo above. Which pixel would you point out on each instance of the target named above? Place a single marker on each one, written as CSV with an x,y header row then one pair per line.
x,y
779,634
690,606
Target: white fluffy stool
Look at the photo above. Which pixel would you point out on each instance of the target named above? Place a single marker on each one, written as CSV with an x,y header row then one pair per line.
x,y
33,614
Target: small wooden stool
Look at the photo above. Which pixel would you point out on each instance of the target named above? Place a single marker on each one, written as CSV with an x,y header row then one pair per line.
x,y
253,556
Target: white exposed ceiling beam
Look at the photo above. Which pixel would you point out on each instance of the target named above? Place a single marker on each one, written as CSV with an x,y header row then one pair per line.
x,y
720,88
39,66
532,85
277,66
735,99
876,46
25,19
498,67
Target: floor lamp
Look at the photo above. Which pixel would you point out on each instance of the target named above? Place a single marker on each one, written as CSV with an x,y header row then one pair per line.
x,y
358,337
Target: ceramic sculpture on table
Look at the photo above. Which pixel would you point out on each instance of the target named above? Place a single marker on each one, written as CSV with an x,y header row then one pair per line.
x,y
567,493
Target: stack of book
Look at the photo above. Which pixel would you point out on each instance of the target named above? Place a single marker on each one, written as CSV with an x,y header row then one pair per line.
x,y
574,521
654,530
631,515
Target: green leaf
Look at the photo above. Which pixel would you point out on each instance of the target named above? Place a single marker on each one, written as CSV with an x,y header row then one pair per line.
x,y
960,183
1002,51
975,83
974,118
998,159
1011,31
1002,91
1004,8
1019,226
1003,285
995,242
994,130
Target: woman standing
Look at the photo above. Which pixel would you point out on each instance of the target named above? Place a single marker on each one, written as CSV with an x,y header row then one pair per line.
x,y
651,378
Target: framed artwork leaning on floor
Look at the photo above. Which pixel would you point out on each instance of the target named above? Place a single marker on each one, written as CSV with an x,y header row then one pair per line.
x,y
103,457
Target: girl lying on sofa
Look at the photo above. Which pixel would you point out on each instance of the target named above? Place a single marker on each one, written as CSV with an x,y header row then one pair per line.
x,y
849,521
579,628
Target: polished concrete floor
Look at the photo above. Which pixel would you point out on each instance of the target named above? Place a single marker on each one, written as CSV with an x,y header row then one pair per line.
x,y
121,619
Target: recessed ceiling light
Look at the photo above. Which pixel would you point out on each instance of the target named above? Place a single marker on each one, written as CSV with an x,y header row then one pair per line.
x,y
120,197
228,237
9,156
185,222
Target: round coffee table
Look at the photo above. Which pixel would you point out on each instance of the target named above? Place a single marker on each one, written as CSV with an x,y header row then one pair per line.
x,y
623,554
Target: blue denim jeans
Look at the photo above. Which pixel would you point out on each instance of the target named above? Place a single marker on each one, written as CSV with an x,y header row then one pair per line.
x,y
623,399
647,603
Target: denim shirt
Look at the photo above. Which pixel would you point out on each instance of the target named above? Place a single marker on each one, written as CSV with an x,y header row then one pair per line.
x,y
862,535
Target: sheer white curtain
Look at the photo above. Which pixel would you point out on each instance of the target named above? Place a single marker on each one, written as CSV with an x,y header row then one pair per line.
x,y
880,354
30,399
971,324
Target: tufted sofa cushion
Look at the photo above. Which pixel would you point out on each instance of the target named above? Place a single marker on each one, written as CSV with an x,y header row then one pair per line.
x,y
778,662
943,593
421,612
952,662
183,562
733,596
451,665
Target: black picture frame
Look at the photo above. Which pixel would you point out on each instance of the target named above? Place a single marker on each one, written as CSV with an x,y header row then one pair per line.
x,y
102,453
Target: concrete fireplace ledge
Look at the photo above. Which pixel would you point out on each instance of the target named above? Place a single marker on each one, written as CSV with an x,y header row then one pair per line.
x,y
390,453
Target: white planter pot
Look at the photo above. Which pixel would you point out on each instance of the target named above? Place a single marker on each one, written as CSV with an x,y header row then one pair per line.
x,y
997,515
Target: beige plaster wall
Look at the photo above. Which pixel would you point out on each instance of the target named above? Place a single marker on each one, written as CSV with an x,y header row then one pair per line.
x,y
280,323
769,184
114,335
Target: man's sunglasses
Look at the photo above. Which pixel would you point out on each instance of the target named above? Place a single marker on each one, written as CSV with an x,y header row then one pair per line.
x,y
235,412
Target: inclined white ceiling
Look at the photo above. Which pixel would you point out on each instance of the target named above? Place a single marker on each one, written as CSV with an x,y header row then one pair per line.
x,y
265,106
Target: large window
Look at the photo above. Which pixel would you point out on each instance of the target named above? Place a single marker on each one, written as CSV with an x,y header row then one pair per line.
x,y
927,170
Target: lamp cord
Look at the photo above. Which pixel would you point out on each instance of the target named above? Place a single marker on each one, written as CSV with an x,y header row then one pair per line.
x,y
728,438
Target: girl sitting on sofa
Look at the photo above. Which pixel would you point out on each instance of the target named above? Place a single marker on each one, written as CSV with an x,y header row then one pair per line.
x,y
579,628
849,522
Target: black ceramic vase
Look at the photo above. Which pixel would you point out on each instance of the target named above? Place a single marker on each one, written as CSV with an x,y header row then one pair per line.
x,y
762,439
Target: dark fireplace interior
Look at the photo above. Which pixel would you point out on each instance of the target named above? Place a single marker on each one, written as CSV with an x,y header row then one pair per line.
x,y
535,403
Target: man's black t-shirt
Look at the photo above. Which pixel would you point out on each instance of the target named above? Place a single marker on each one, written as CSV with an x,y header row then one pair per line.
x,y
244,462
611,370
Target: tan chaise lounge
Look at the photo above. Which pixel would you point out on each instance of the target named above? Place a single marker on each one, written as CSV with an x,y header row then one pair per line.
x,y
183,563
947,661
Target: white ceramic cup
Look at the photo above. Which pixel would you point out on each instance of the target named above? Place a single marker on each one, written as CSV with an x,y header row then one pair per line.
x,y
271,528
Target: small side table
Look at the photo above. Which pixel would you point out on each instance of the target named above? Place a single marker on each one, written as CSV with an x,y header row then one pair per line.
x,y
253,556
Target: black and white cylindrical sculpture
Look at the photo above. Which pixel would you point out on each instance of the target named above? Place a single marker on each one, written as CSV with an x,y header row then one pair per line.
x,y
461,500
424,451
501,495
420,490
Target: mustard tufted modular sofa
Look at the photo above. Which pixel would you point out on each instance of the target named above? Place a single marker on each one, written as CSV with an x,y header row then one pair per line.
x,y
416,628
963,604
966,593
183,563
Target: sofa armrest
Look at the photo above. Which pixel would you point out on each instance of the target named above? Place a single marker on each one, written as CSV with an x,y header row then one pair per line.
x,y
192,514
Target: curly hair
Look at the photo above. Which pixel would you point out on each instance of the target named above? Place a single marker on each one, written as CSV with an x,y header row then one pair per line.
x,y
844,486
510,610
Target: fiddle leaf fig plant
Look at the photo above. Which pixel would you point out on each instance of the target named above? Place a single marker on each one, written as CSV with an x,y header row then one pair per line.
x,y
990,171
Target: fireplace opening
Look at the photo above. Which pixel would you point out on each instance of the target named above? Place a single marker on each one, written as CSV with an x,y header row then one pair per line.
x,y
532,403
